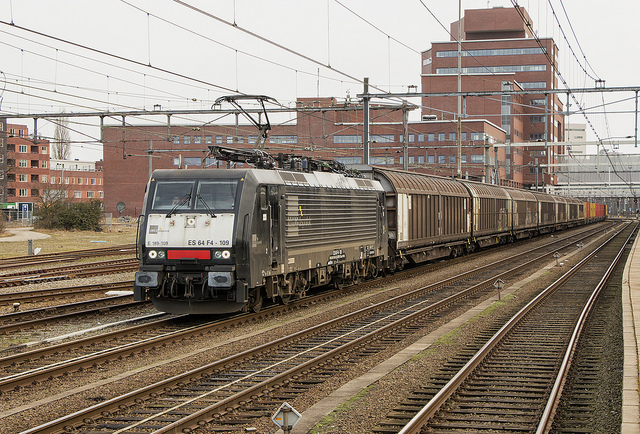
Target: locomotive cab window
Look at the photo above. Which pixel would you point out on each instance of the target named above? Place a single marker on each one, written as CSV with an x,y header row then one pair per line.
x,y
169,194
218,194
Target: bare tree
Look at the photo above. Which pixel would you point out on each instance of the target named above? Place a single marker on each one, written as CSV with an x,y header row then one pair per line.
x,y
61,149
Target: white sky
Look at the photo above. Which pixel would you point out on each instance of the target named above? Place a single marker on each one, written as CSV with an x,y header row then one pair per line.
x,y
48,75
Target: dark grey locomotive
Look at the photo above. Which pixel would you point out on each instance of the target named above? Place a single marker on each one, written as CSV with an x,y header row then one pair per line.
x,y
220,241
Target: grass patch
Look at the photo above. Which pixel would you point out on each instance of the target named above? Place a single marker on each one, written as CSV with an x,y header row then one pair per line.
x,y
64,241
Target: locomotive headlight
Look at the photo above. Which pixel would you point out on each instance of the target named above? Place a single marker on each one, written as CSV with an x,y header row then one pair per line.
x,y
226,254
217,254
153,254
161,254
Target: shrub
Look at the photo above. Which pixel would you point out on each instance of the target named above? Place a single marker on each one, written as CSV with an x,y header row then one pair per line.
x,y
63,215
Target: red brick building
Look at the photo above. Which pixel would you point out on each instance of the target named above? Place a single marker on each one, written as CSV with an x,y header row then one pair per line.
x,y
499,53
27,165
27,174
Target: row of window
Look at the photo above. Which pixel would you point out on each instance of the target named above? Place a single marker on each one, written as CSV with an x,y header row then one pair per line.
x,y
34,192
229,140
35,164
73,180
493,69
493,52
420,159
430,137
24,149
25,177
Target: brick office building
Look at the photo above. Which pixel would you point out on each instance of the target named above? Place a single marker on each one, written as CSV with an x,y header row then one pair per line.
x,y
499,53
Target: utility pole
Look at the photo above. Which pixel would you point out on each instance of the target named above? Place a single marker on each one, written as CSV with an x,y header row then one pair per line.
x,y
365,133
405,141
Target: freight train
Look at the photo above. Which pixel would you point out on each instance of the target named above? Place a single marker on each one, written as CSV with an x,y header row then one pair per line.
x,y
220,241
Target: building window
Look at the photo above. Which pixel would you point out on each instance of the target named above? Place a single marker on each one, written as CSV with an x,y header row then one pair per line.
x,y
1,174
431,137
420,137
22,177
77,194
347,139
44,178
477,158
431,159
23,163
420,159
34,178
176,140
412,160
229,140
283,140
208,140
452,137
66,180
534,85
22,149
349,160
463,137
382,138
101,194
35,192
35,164
79,181
91,194
93,181
537,102
44,164
536,136
536,119
252,139
44,150
441,159
477,137
463,158
197,139
186,140
24,192
441,137
11,191
240,139
452,159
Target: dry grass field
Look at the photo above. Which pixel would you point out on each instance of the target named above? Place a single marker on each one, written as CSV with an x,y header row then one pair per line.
x,y
62,241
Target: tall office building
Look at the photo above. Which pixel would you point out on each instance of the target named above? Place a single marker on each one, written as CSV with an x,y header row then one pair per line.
x,y
499,52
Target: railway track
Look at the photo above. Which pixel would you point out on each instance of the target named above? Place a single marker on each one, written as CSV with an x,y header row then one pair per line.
x,y
247,382
75,255
514,383
25,277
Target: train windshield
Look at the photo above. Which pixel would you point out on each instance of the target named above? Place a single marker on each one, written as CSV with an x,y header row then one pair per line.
x,y
217,194
178,194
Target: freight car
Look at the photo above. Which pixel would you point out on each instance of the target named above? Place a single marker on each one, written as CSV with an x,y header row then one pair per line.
x,y
221,241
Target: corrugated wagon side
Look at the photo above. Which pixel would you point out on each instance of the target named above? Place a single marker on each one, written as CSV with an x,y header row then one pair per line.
x,y
428,216
491,218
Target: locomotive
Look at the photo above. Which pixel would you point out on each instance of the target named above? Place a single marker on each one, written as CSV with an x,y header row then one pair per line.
x,y
221,241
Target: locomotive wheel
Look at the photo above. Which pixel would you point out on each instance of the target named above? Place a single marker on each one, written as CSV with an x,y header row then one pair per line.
x,y
285,299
